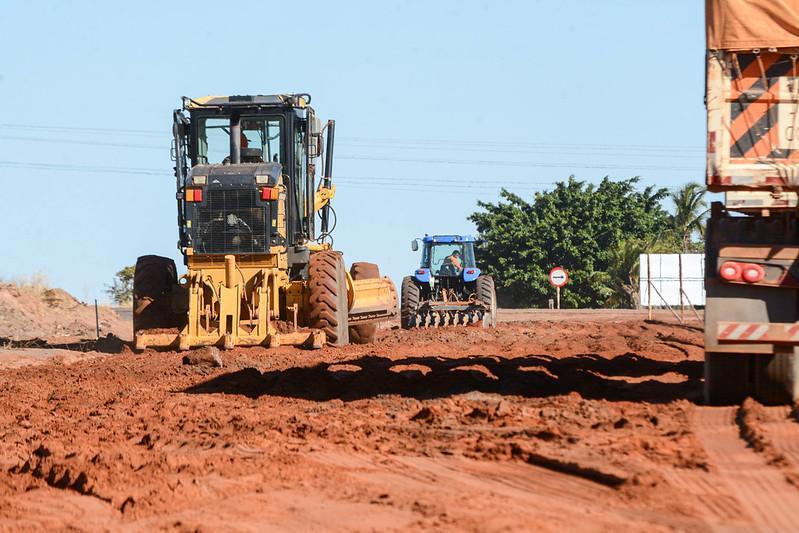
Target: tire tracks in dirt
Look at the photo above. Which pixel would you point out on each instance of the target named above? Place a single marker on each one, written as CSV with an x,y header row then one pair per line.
x,y
744,486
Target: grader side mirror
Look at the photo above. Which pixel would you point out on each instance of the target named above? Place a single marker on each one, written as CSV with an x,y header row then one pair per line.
x,y
415,245
315,142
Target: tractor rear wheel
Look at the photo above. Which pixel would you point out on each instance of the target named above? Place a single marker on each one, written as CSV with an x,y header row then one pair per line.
x,y
153,280
488,295
364,333
327,280
410,302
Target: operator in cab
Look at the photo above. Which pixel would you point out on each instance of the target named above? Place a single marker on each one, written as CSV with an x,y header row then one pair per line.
x,y
454,259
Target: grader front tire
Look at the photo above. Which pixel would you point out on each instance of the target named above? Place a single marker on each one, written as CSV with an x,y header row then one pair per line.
x,y
364,333
153,280
327,280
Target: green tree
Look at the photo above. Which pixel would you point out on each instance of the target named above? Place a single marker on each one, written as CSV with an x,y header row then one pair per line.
x,y
121,290
578,226
690,210
621,278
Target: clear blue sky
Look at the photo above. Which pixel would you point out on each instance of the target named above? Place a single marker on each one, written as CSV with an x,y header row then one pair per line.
x,y
438,105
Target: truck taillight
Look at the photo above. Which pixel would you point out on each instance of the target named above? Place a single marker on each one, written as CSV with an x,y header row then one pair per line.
x,y
753,273
194,195
730,270
269,193
748,272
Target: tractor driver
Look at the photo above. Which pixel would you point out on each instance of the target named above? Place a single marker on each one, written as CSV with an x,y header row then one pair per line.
x,y
454,259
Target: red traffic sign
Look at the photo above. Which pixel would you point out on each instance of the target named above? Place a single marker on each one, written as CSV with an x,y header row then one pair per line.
x,y
558,277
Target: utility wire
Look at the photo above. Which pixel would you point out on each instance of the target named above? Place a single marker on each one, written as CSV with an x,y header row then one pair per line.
x,y
431,185
372,141
532,164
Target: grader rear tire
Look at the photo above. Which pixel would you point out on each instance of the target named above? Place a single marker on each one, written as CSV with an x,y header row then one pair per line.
x,y
364,333
327,280
153,280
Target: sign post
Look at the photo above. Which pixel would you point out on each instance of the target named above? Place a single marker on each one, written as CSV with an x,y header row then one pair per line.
x,y
558,277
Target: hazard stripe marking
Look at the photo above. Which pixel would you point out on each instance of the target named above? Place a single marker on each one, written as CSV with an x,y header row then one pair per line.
x,y
729,329
758,332
754,110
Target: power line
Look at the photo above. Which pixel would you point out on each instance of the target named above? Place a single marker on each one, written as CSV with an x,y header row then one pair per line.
x,y
88,143
544,149
376,183
502,163
372,141
443,180
84,130
530,164
534,144
81,168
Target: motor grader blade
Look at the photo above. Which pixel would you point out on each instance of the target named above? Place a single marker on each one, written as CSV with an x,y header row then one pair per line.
x,y
372,300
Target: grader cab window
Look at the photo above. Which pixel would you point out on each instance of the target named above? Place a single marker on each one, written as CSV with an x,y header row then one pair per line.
x,y
260,140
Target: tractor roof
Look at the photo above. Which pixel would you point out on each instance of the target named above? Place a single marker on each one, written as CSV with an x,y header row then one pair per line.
x,y
447,238
274,100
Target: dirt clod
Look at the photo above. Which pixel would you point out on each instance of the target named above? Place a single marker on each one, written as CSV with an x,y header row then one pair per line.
x,y
208,355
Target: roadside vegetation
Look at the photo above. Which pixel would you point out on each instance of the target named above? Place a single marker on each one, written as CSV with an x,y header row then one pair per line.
x,y
121,289
596,231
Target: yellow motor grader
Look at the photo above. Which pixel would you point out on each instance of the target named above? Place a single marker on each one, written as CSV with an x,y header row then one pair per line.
x,y
254,230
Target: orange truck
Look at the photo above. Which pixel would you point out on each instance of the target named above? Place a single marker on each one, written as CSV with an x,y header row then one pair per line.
x,y
752,237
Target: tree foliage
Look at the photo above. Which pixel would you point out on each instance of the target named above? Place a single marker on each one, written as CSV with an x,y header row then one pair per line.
x,y
690,210
594,231
121,290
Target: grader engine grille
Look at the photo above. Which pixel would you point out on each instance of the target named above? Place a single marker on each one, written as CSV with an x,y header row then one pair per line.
x,y
231,221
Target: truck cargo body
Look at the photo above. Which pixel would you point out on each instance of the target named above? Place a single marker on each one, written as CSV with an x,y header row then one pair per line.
x,y
752,238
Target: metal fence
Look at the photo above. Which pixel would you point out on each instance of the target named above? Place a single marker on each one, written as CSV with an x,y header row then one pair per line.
x,y
672,280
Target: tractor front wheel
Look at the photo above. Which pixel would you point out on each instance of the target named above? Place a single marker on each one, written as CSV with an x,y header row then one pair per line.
x,y
327,280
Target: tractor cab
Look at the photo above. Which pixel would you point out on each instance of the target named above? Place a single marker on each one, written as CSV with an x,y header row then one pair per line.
x,y
447,260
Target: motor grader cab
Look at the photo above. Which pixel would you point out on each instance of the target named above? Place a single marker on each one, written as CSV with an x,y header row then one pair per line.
x,y
447,288
254,231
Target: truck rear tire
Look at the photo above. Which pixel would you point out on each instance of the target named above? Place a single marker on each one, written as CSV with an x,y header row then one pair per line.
x,y
153,280
770,379
726,378
488,295
775,378
364,333
327,280
409,303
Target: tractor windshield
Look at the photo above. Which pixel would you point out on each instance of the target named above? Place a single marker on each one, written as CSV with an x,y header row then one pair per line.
x,y
448,259
260,140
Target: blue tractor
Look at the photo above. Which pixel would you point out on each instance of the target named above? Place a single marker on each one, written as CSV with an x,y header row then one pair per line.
x,y
447,288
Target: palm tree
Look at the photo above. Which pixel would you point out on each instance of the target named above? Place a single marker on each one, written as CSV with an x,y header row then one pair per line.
x,y
690,209
619,283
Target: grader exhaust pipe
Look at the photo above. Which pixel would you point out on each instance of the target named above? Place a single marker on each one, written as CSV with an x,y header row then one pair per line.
x,y
235,139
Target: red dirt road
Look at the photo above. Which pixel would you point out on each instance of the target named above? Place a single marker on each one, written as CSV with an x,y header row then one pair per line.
x,y
592,423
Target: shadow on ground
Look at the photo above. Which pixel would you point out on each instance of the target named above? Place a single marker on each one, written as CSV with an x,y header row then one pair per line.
x,y
108,344
624,377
